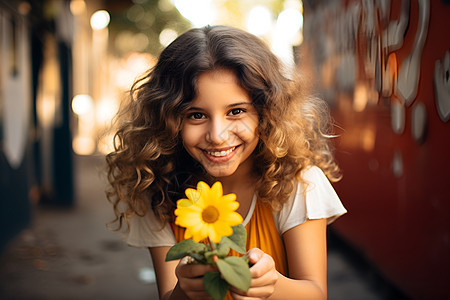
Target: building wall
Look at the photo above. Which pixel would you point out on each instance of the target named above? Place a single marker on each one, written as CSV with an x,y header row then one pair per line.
x,y
35,93
383,66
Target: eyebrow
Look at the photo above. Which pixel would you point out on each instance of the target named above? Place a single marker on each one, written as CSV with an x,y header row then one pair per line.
x,y
228,106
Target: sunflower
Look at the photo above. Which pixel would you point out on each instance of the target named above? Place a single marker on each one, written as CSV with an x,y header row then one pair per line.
x,y
207,213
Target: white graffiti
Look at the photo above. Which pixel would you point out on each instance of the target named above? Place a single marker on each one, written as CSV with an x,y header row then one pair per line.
x,y
409,73
15,86
442,87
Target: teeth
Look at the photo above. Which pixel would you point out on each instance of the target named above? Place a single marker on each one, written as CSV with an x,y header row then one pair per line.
x,y
221,153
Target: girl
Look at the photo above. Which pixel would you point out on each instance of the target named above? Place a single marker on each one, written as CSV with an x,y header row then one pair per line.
x,y
217,107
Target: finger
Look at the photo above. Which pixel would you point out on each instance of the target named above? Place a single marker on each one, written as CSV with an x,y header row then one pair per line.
x,y
265,264
260,292
255,255
238,295
254,292
188,284
269,278
193,270
236,291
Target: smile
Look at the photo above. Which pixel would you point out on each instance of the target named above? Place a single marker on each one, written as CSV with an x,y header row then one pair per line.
x,y
220,153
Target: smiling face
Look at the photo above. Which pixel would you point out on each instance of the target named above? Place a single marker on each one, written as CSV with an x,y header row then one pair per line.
x,y
220,127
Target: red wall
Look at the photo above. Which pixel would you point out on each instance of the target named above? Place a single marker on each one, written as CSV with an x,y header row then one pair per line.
x,y
398,217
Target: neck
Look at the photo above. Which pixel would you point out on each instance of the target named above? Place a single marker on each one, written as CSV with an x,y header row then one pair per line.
x,y
242,179
231,185
243,188
243,184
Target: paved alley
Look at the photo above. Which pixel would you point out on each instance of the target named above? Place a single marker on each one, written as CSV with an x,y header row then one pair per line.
x,y
68,254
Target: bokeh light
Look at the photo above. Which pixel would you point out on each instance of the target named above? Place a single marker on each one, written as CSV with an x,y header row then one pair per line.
x,y
259,20
77,7
289,22
82,104
83,145
100,19
199,12
167,36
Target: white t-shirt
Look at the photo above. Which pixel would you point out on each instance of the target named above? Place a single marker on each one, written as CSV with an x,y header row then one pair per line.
x,y
318,202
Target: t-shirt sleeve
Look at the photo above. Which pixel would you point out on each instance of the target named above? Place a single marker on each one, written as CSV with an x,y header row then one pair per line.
x,y
317,202
149,231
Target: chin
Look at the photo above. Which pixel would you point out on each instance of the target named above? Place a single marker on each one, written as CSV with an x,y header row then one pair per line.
x,y
217,173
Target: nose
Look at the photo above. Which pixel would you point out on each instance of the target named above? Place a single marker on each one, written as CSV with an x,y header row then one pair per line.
x,y
218,131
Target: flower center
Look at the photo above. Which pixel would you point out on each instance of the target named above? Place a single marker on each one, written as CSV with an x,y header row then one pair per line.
x,y
210,214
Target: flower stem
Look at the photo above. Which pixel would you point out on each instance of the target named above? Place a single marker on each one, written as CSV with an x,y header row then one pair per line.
x,y
212,244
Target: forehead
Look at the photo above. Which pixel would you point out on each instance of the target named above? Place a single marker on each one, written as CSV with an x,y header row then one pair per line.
x,y
219,75
221,84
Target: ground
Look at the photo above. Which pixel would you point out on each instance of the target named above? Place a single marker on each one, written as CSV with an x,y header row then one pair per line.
x,y
67,253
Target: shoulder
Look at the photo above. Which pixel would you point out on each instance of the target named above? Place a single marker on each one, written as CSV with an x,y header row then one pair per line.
x,y
148,231
314,198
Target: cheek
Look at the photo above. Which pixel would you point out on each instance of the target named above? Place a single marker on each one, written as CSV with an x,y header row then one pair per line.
x,y
249,130
189,136
184,137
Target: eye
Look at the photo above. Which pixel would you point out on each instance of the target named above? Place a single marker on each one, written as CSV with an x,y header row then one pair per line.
x,y
196,116
236,111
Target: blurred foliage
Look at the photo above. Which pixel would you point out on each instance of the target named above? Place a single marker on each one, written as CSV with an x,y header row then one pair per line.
x,y
233,12
150,17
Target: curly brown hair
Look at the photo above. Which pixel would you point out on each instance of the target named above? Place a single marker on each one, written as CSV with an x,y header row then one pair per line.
x,y
149,166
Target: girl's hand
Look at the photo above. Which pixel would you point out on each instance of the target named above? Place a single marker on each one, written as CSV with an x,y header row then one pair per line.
x,y
190,278
264,277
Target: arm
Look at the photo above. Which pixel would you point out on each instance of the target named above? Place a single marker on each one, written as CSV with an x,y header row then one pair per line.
x,y
178,279
306,255
306,251
165,271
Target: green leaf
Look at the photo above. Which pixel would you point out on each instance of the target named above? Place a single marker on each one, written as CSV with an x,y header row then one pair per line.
x,y
238,240
199,257
209,256
184,248
223,249
214,285
236,272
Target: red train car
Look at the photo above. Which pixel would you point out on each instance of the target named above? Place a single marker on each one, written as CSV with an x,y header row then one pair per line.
x,y
384,68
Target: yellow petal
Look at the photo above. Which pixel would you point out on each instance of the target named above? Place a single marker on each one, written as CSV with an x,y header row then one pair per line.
x,y
184,203
216,190
213,236
188,219
198,227
200,235
202,186
203,233
223,228
203,189
187,234
232,218
229,206
193,195
228,198
188,209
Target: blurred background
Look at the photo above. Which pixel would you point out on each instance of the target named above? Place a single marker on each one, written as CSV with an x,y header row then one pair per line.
x,y
383,67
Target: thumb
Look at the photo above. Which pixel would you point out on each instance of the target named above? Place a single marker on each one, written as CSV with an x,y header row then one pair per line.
x,y
255,255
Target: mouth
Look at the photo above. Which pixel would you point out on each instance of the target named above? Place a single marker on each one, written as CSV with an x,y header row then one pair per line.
x,y
220,155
